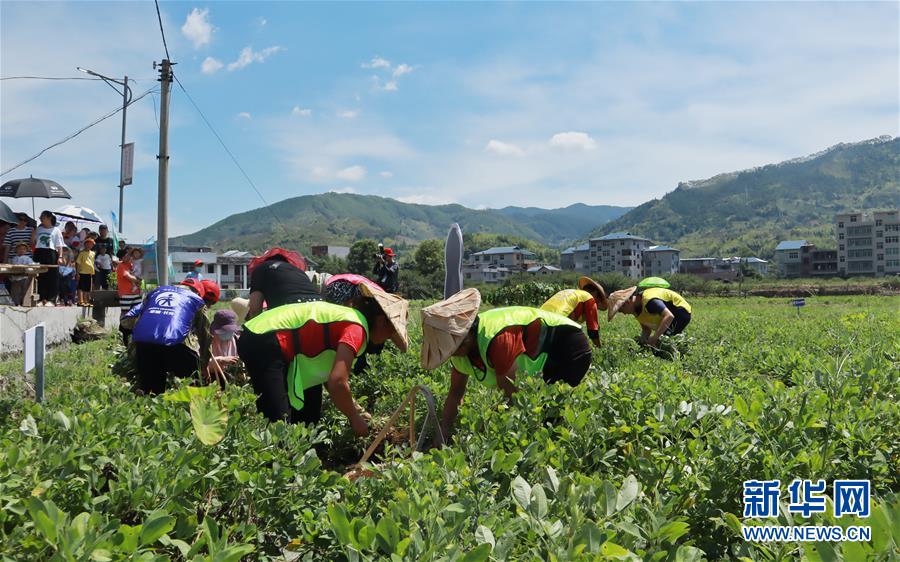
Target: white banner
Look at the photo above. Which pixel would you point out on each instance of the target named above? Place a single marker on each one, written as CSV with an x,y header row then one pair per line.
x,y
127,163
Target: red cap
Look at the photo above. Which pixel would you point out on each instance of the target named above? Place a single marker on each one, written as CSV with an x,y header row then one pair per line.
x,y
388,252
292,258
196,285
198,262
211,291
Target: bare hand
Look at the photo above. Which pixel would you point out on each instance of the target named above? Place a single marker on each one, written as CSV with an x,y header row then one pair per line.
x,y
360,426
227,360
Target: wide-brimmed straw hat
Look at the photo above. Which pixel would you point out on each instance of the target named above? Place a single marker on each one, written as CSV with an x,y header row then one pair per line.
x,y
241,307
617,299
587,281
445,325
397,311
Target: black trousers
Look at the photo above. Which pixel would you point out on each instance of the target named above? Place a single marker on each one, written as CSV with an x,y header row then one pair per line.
x,y
268,371
155,362
569,356
101,279
48,283
680,322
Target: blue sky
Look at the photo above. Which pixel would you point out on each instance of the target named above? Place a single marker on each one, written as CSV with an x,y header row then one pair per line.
x,y
487,104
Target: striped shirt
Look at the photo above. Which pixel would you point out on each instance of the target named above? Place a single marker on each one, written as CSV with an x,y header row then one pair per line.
x,y
15,235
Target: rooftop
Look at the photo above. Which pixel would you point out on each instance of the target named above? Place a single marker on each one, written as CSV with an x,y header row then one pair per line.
x,y
504,250
579,248
621,236
662,248
537,268
791,245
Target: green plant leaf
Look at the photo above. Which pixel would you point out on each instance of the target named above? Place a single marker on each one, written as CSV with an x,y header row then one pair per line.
x,y
521,492
612,550
188,393
538,504
627,493
591,536
478,554
687,553
156,525
483,535
29,427
672,531
62,420
387,534
209,419
340,523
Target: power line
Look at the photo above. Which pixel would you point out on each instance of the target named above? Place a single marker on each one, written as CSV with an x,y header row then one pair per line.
x,y
162,31
230,154
48,78
75,134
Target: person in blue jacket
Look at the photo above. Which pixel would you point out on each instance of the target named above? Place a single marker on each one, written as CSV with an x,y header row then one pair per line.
x,y
171,335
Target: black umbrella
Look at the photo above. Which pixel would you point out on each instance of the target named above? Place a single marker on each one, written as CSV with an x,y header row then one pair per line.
x,y
33,187
7,214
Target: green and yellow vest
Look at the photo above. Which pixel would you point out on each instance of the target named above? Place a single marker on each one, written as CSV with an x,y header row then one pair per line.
x,y
565,301
305,372
667,296
492,322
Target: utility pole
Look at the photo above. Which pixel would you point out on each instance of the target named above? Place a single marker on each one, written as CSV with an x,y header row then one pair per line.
x,y
162,225
125,101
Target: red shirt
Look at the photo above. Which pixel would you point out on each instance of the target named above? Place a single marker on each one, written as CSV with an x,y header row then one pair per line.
x,y
125,285
312,338
587,311
508,344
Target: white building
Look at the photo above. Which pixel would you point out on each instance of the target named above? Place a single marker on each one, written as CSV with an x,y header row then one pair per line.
x,y
661,261
868,243
794,258
485,274
228,269
512,257
621,252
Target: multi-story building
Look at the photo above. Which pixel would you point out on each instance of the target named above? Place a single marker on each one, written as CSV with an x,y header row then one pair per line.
x,y
512,257
485,274
661,261
621,252
324,251
794,258
543,270
868,243
823,263
760,266
576,258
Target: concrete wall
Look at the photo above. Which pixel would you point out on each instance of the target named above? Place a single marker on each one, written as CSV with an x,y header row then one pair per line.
x,y
59,321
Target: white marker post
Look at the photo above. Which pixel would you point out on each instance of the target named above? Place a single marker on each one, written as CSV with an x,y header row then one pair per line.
x,y
35,349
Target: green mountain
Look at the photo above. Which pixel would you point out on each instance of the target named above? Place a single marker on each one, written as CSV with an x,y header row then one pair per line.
x,y
748,212
342,218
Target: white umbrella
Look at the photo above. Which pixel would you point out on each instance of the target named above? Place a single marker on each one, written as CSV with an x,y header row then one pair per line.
x,y
80,214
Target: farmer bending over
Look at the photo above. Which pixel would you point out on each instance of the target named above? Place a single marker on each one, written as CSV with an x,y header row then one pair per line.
x,y
291,351
171,334
580,304
659,311
494,345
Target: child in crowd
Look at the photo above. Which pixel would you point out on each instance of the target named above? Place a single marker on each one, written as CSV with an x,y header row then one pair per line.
x,y
67,282
224,329
85,271
137,259
19,283
103,265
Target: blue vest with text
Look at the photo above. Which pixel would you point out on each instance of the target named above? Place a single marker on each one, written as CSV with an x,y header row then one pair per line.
x,y
167,316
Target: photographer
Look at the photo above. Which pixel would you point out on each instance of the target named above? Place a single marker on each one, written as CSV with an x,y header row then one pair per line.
x,y
386,270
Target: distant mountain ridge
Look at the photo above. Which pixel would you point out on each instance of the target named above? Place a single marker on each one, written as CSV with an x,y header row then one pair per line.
x,y
342,218
749,211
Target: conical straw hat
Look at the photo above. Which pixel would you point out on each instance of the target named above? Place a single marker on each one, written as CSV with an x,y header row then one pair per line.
x,y
241,307
445,325
585,281
397,311
616,300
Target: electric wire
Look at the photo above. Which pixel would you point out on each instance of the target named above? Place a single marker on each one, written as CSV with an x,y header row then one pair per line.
x,y
48,78
162,31
230,154
76,133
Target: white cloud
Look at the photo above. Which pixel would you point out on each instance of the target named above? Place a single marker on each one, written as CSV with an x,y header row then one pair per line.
x,y
390,86
503,148
402,69
377,62
386,174
424,199
348,113
211,65
197,27
573,140
301,112
249,56
244,115
353,173
261,21
345,189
